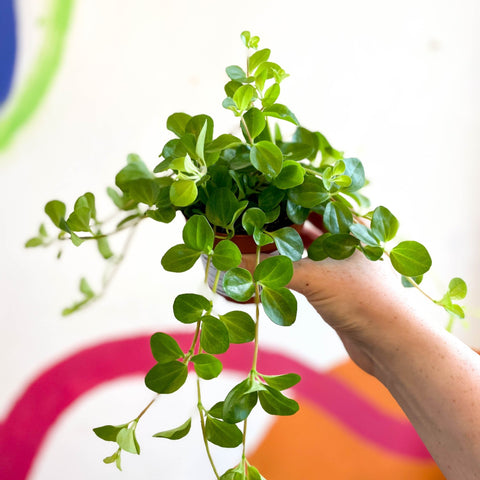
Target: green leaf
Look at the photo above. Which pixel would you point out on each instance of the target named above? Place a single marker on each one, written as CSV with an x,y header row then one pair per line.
x,y
34,242
190,307
364,234
165,348
407,281
238,403
288,242
253,218
296,213
83,212
217,410
410,258
291,175
282,112
238,284
183,192
261,238
166,377
56,210
222,434
339,246
85,288
282,382
280,305
144,190
234,72
275,403
243,96
200,145
180,258
231,87
176,433
254,474
127,441
372,253
270,198
109,432
354,170
310,193
198,234
221,207
177,122
134,170
240,326
223,142
207,366
164,215
114,458
274,271
226,255
457,289
255,121
245,36
271,95
267,158
384,224
337,218
257,58
104,248
214,335
455,310
194,127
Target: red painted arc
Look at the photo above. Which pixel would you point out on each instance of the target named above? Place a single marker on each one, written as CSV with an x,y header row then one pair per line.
x,y
37,409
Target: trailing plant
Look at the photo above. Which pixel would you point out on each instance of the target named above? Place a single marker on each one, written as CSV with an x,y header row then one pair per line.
x,y
259,184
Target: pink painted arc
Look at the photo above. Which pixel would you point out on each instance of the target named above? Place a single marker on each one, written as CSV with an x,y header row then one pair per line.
x,y
26,425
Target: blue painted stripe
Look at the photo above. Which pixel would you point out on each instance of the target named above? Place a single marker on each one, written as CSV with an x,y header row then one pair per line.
x,y
8,47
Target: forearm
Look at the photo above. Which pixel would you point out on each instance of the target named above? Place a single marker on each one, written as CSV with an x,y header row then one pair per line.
x,y
435,378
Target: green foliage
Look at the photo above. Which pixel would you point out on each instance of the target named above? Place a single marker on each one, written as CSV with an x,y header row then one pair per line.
x,y
257,181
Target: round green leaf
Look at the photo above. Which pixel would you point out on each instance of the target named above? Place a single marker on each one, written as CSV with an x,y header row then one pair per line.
x,y
214,335
296,213
337,218
253,218
238,403
183,192
207,366
274,271
243,96
271,95
290,176
166,377
226,255
221,207
198,234
310,193
384,224
270,198
275,403
177,122
267,158
176,433
255,122
410,258
108,432
223,142
190,307
289,243
257,58
457,289
280,305
238,284
222,434
240,326
353,169
56,210
164,348
180,258
339,246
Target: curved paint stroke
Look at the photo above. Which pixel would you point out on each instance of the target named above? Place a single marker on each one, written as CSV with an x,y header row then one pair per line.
x,y
37,409
8,47
39,79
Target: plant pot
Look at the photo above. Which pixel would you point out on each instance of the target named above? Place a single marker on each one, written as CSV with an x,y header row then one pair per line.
x,y
247,245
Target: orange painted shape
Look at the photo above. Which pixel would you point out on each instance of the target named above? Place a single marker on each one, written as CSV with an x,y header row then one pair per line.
x,y
312,445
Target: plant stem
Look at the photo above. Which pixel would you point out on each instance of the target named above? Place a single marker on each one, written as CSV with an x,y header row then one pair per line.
x,y
257,315
202,423
207,268
250,139
140,415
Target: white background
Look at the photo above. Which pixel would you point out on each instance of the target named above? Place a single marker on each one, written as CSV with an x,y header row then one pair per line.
x,y
393,83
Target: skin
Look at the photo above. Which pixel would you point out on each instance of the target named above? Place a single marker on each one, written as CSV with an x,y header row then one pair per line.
x,y
434,377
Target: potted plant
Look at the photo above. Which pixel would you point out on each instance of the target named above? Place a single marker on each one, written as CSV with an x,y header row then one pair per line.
x,y
256,184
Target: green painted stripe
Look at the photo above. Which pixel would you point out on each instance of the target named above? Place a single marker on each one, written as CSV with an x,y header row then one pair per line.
x,y
40,77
